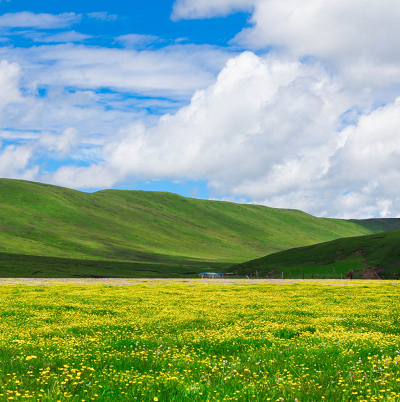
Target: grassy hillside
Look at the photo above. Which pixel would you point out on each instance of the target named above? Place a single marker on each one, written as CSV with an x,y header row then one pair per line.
x,y
378,225
370,256
154,227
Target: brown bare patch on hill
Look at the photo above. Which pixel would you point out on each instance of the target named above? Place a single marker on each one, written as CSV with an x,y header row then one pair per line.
x,y
372,273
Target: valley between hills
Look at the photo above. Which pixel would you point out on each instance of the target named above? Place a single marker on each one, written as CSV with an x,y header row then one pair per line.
x,y
50,231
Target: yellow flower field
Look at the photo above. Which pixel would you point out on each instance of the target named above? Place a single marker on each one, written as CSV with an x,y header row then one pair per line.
x,y
199,340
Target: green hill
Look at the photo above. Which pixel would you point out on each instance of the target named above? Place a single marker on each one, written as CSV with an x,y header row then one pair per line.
x,y
154,227
371,256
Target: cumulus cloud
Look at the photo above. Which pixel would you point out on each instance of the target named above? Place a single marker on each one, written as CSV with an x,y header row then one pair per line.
x,y
297,127
235,129
34,97
28,19
371,153
359,39
38,110
14,162
329,29
269,130
63,84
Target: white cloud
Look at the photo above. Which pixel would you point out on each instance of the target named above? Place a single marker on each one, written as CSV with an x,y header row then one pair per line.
x,y
102,16
193,9
35,115
268,130
62,143
14,160
170,74
181,40
328,29
172,71
9,83
297,127
28,19
79,177
61,37
234,129
27,117
42,120
18,135
356,37
136,40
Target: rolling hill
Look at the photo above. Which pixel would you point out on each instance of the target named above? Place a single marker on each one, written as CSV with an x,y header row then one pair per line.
x,y
153,227
370,256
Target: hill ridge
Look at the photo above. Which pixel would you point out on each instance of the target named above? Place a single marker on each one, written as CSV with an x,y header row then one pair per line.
x,y
370,256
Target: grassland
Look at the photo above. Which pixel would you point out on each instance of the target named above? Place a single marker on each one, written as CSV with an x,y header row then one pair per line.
x,y
200,341
153,230
370,256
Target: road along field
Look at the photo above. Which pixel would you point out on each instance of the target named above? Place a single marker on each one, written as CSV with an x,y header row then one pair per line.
x,y
199,340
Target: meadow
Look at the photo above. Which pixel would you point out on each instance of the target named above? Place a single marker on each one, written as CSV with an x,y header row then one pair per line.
x,y
199,340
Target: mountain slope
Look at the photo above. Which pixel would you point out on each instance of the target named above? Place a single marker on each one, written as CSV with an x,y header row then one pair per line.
x,y
370,256
44,220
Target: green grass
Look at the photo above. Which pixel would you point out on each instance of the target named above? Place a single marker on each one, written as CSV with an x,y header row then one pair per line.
x,y
370,256
152,228
200,341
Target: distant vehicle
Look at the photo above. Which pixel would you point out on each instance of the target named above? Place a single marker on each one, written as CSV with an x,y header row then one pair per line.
x,y
211,275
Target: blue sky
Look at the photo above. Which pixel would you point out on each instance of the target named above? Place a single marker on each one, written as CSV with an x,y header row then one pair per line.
x,y
286,104
100,23
120,17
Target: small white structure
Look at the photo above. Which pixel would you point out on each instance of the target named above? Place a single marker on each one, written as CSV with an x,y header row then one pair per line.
x,y
211,275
